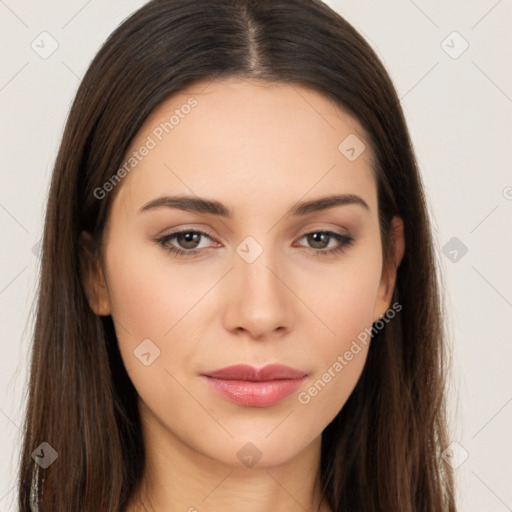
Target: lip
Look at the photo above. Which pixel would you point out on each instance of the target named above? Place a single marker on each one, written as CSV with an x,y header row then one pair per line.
x,y
252,387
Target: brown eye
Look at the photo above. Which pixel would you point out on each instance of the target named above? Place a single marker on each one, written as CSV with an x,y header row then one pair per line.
x,y
319,241
183,243
188,239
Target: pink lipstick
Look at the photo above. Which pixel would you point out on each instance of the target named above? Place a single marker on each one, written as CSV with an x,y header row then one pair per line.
x,y
246,385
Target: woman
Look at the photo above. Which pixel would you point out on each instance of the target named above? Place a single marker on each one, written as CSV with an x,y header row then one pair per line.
x,y
238,305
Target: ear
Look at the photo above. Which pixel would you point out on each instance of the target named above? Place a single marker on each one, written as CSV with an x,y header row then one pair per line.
x,y
387,283
92,277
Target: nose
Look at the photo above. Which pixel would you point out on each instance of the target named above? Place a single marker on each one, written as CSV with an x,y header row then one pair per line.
x,y
259,302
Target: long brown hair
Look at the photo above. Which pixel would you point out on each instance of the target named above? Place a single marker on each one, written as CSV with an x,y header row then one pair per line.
x,y
382,451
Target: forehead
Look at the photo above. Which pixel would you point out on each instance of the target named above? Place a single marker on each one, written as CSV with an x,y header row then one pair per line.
x,y
224,137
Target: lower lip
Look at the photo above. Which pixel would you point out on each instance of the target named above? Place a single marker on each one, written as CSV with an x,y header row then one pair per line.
x,y
254,394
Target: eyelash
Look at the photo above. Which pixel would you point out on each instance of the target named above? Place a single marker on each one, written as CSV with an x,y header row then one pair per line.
x,y
345,241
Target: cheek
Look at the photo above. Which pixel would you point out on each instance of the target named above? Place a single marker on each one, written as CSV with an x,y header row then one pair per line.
x,y
347,303
339,358
346,307
154,298
153,307
343,296
149,292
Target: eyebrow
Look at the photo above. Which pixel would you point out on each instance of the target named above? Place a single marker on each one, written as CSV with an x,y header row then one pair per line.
x,y
213,207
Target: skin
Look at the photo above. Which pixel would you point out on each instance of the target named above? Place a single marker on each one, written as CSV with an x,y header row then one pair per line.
x,y
259,149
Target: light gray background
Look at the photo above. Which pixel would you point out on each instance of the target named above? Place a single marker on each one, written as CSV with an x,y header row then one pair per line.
x,y
459,113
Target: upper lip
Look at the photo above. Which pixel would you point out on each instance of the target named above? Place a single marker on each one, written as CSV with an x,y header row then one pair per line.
x,y
250,373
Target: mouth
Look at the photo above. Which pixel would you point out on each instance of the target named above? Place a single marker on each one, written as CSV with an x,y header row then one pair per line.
x,y
251,387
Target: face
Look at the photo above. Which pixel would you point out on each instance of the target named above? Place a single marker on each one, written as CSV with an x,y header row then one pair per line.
x,y
251,278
